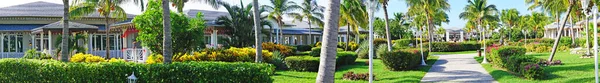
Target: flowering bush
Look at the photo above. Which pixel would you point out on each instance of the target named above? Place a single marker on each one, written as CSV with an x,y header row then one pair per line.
x,y
532,71
154,58
285,50
500,57
356,76
80,57
116,60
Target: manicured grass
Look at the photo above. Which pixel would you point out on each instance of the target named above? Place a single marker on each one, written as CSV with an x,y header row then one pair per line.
x,y
382,74
573,70
459,52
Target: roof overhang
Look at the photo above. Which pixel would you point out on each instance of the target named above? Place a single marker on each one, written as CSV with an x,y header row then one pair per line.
x,y
58,26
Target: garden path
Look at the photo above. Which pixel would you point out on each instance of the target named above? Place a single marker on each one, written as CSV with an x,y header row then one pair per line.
x,y
457,68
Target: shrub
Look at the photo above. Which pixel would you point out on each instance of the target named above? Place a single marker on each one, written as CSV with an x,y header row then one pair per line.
x,y
532,71
302,63
453,47
316,52
565,41
499,57
303,47
538,48
116,60
401,59
283,49
358,76
404,43
351,46
379,51
33,54
378,41
153,58
80,57
514,62
345,58
35,71
277,60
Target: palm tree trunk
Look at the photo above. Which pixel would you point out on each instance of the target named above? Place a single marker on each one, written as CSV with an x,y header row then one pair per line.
x,y
328,52
142,5
257,33
167,49
309,32
107,31
558,36
572,34
387,28
347,37
65,33
587,36
430,26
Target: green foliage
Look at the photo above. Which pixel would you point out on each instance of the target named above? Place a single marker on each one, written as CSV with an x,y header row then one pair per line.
x,y
278,60
303,48
514,62
379,51
539,48
565,41
402,59
345,58
28,70
72,41
283,49
352,46
453,47
186,33
532,71
316,51
33,54
499,56
302,63
404,43
240,25
397,29
364,47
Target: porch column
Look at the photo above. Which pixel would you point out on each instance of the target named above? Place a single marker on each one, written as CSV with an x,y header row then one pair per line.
x,y
42,41
50,43
447,36
462,36
1,43
33,41
213,38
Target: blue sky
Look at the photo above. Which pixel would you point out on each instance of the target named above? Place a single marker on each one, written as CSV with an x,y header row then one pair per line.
x,y
394,6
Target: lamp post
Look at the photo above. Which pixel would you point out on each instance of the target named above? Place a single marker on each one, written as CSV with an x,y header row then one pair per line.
x,y
372,6
595,11
483,41
132,78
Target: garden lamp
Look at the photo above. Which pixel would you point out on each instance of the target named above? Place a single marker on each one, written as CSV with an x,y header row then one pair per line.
x,y
483,41
132,78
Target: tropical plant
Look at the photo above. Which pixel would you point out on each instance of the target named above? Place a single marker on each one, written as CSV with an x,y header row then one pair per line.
x,y
434,11
310,12
278,9
257,37
353,14
167,50
556,9
479,12
509,18
384,4
179,4
327,68
74,47
240,24
109,9
65,30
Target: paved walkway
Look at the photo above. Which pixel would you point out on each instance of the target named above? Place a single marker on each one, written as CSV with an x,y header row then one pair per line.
x,y
461,68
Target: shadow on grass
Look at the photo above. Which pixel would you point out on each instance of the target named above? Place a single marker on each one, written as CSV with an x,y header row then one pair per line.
x,y
294,76
356,65
499,74
406,79
580,80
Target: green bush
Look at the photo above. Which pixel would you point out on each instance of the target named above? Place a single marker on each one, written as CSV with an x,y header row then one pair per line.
x,y
401,59
500,56
34,71
404,43
532,71
316,52
303,47
565,41
345,58
514,62
453,47
302,63
33,54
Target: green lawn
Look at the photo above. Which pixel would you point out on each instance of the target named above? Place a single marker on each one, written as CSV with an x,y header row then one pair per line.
x,y
382,75
459,52
573,70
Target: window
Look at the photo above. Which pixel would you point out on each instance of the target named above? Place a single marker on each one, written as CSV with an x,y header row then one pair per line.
x,y
13,43
99,42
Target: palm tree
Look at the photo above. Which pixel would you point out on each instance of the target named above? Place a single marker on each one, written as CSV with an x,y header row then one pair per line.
x,y
257,29
384,3
179,4
432,10
509,18
140,3
353,15
107,8
478,11
312,13
557,7
167,49
327,64
65,32
278,9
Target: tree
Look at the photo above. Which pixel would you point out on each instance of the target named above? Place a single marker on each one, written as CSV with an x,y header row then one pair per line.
x,y
258,40
353,14
384,3
509,18
240,26
478,11
167,43
440,31
312,13
327,64
65,32
179,4
433,10
107,8
556,7
278,9
403,21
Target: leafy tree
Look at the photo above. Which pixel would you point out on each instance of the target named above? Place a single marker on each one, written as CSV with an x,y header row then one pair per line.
x,y
434,11
396,29
556,9
277,10
311,12
509,18
353,14
241,25
186,36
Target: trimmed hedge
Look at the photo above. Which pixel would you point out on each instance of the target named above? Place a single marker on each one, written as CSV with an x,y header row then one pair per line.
x,y
303,48
402,59
500,56
29,70
316,52
404,43
309,63
453,47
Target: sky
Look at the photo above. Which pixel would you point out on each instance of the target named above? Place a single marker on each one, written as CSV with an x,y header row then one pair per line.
x,y
456,7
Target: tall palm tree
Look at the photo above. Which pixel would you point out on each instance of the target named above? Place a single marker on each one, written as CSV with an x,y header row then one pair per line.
x,y
539,20
478,11
431,9
167,49
312,13
179,4
65,32
258,40
509,18
109,9
278,9
353,15
384,4
327,64
556,8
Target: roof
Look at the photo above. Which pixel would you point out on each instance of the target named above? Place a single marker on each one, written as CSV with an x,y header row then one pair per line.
x,y
208,15
40,9
59,25
555,25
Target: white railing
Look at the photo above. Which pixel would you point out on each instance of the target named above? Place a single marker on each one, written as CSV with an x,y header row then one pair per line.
x,y
11,54
113,53
135,55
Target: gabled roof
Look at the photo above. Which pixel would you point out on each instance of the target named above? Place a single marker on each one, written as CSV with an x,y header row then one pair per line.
x,y
208,15
40,9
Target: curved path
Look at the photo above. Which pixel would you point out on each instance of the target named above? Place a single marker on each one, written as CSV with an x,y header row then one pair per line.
x,y
462,68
